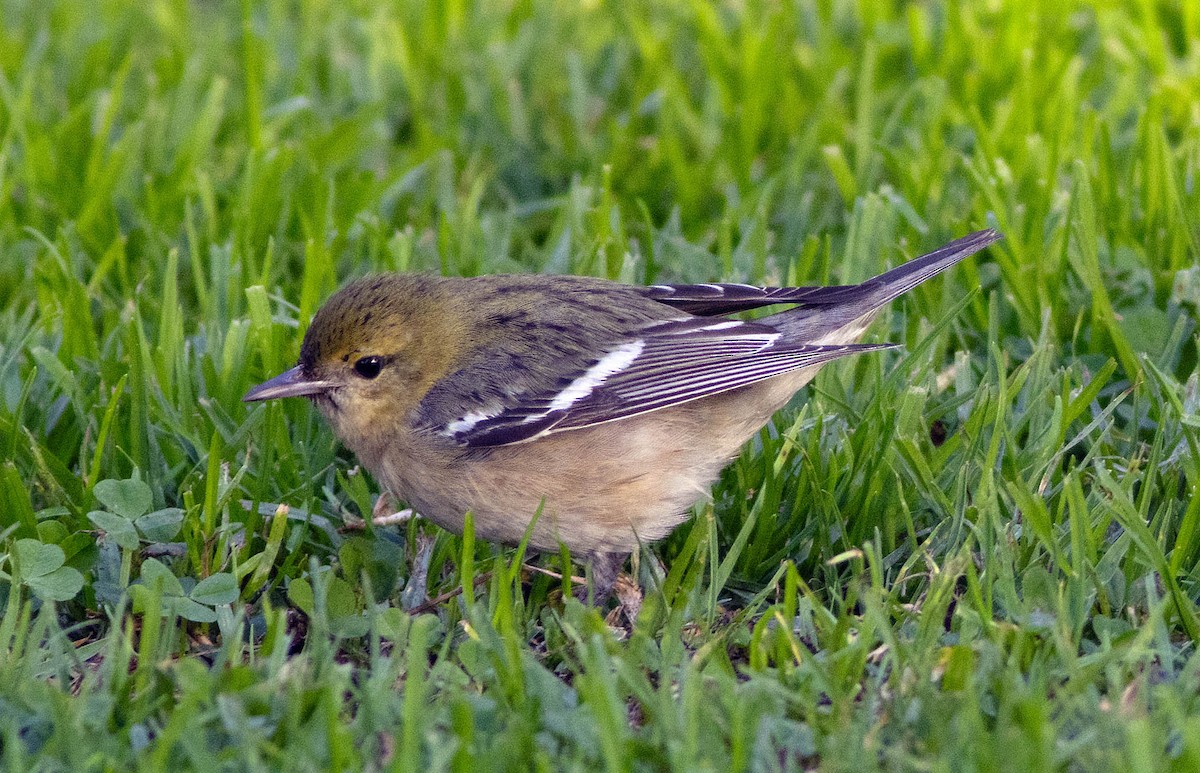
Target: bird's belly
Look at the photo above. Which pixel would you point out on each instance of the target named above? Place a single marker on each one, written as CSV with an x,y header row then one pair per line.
x,y
605,488
587,493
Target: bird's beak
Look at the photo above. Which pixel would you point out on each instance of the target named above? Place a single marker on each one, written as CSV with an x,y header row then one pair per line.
x,y
290,383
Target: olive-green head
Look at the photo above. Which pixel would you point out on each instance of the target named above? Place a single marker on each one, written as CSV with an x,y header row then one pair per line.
x,y
372,352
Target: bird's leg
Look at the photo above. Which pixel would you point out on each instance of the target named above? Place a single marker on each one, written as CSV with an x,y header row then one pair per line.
x,y
605,569
394,519
383,515
629,602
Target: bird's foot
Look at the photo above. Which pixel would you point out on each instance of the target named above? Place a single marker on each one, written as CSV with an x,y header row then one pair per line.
x,y
606,569
398,518
629,603
383,514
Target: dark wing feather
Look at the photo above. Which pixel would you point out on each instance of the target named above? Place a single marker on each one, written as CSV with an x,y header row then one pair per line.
x,y
711,300
670,364
716,299
633,392
653,364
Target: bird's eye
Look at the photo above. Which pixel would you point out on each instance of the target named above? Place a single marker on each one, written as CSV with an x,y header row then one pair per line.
x,y
368,367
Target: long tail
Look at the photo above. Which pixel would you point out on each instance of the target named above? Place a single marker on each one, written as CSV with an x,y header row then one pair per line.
x,y
892,284
838,315
715,299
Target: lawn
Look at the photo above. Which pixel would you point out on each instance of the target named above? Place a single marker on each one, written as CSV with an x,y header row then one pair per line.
x,y
976,552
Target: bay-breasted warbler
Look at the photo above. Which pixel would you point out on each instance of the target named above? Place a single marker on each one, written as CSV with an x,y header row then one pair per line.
x,y
608,407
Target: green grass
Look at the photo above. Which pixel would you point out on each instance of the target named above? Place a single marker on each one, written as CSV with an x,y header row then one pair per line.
x,y
979,553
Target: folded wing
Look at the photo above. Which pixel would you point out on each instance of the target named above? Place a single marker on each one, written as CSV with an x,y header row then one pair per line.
x,y
668,364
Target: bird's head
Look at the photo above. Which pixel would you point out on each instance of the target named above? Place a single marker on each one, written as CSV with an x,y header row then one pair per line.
x,y
372,352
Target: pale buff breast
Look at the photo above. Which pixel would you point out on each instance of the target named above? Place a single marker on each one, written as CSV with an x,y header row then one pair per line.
x,y
604,488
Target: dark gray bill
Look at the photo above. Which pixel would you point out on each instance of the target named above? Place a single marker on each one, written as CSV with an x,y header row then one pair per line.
x,y
290,383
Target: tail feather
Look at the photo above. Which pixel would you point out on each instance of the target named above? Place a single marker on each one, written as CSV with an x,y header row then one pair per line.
x,y
899,280
716,299
842,314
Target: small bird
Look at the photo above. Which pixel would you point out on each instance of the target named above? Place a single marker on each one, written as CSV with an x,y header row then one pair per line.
x,y
607,408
